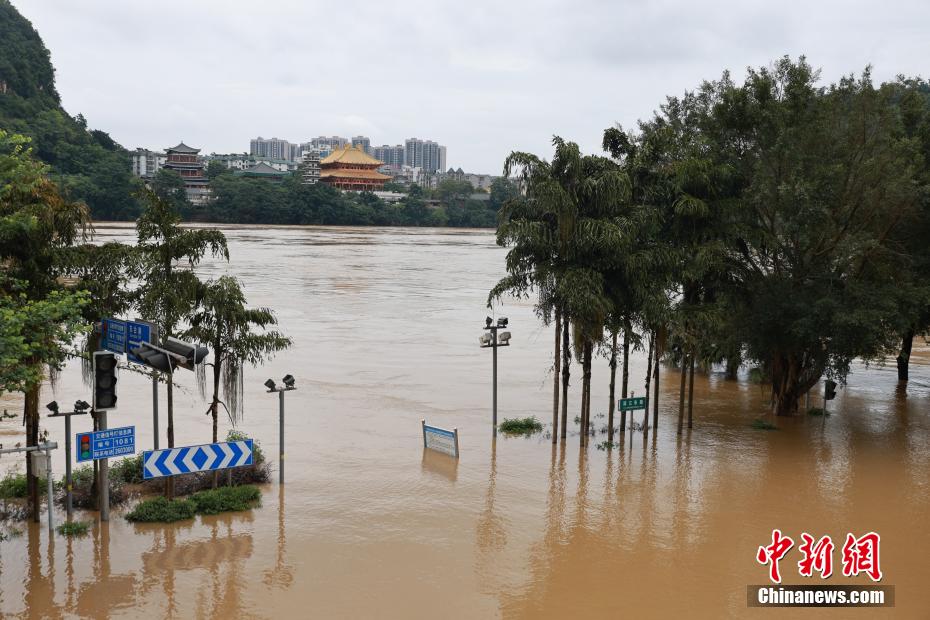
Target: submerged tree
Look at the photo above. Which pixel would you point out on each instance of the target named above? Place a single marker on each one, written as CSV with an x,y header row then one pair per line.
x,y
226,325
40,316
168,292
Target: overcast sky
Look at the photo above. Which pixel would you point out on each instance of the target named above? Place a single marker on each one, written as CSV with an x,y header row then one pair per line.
x,y
482,78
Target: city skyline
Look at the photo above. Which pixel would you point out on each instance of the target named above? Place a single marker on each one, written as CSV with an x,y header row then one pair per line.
x,y
498,78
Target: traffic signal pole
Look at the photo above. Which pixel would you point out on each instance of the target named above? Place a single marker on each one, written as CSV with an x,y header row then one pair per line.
x,y
104,485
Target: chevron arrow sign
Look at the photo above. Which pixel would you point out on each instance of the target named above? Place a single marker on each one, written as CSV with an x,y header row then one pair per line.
x,y
190,459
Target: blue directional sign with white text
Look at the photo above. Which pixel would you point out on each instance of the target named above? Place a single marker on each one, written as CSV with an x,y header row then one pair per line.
x,y
136,333
105,444
190,459
114,335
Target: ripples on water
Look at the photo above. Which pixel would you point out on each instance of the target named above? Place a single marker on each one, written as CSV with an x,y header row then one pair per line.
x,y
385,324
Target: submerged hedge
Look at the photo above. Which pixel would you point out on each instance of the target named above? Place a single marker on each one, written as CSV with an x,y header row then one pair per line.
x,y
224,499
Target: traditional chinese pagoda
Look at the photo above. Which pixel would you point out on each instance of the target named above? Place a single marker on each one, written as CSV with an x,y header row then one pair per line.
x,y
185,161
351,168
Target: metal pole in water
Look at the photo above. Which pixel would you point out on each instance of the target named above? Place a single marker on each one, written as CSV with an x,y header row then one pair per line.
x,y
68,485
281,437
155,412
51,498
104,475
494,349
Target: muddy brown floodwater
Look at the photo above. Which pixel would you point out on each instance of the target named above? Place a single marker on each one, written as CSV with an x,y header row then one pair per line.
x,y
386,324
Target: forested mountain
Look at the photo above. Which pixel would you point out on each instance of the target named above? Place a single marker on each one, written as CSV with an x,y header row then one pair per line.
x,y
88,163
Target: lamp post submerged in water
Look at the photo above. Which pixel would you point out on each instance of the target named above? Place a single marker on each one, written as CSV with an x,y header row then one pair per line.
x,y
288,381
492,340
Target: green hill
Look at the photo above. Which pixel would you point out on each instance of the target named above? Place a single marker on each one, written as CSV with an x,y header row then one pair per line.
x,y
88,163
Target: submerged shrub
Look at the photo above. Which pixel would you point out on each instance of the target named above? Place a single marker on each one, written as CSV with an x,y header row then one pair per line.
x,y
225,499
161,510
127,470
73,528
521,426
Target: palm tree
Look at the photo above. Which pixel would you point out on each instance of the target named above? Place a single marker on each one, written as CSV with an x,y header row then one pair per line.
x,y
225,323
559,232
167,295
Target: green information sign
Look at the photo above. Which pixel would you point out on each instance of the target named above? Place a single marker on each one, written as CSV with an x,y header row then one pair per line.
x,y
632,404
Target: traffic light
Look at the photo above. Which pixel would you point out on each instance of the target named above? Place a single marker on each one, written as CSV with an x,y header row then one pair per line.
x,y
172,354
154,357
189,353
829,389
84,447
104,381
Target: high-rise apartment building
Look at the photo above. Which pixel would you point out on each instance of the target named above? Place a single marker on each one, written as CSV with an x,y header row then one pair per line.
x,y
425,154
309,169
326,145
362,141
146,163
272,148
392,156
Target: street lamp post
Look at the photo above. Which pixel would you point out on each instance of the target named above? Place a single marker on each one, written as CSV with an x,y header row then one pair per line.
x,y
80,408
288,381
492,340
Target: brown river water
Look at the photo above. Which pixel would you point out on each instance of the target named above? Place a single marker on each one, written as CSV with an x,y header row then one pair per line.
x,y
385,324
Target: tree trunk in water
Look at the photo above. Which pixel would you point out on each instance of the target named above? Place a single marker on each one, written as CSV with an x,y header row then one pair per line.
x,y
691,393
555,381
681,392
904,357
626,370
613,388
584,397
31,412
214,410
790,380
566,362
587,404
169,481
655,386
586,389
652,342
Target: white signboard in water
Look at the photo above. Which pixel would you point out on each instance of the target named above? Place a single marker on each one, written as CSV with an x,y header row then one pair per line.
x,y
440,439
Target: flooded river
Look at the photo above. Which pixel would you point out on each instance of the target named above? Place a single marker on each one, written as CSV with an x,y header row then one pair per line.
x,y
385,326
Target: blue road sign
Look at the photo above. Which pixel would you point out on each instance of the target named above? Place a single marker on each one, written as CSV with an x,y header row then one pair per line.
x,y
190,459
440,439
122,336
114,335
106,444
136,333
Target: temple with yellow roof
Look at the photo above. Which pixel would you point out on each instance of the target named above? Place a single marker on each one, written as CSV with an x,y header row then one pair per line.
x,y
351,168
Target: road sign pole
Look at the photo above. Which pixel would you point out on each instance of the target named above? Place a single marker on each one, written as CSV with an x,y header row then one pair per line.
x,y
68,486
494,363
51,492
281,437
104,475
155,412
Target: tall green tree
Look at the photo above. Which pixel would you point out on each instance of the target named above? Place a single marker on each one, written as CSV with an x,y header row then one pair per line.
x,y
36,223
237,336
166,256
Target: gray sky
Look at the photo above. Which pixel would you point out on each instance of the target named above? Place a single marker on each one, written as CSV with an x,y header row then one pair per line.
x,y
483,78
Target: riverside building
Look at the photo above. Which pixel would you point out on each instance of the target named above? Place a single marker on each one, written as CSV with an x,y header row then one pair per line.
x,y
351,168
185,161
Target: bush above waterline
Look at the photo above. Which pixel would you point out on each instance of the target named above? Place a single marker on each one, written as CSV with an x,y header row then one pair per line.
x,y
224,499
521,426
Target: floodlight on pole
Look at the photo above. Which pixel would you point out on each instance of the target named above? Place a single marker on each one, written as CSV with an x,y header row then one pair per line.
x,y
288,381
491,340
